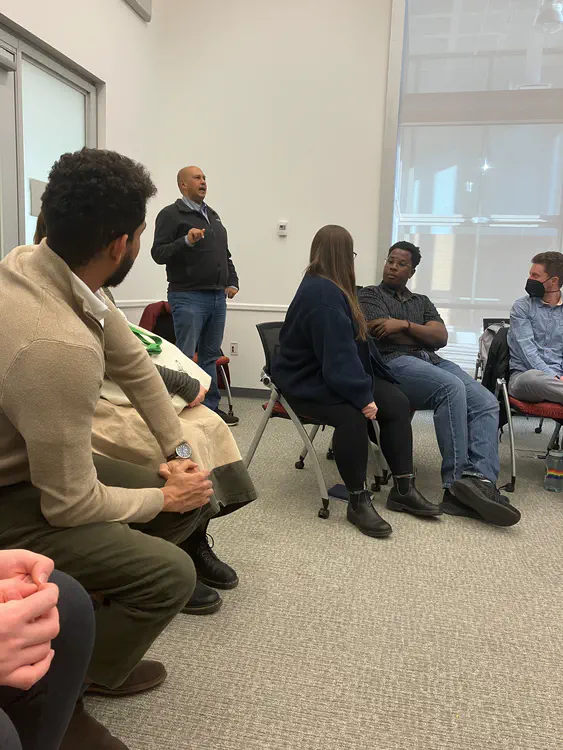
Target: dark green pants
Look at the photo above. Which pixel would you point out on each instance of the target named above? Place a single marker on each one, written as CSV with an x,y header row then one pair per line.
x,y
144,577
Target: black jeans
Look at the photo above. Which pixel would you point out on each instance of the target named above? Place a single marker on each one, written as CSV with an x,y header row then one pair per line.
x,y
37,719
350,442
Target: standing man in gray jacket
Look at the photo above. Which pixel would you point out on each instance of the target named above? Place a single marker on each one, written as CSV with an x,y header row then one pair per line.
x,y
192,242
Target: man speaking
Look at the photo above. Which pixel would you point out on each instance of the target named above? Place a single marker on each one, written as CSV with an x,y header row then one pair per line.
x,y
192,243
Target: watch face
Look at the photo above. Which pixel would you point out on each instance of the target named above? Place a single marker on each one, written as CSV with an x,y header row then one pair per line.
x,y
184,451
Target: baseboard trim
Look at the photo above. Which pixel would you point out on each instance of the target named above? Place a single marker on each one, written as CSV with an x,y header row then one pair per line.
x,y
251,392
129,304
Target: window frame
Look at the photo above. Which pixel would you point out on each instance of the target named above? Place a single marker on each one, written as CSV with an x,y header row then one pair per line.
x,y
24,50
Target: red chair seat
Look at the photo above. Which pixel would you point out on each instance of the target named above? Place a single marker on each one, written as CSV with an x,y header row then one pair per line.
x,y
546,409
221,362
279,411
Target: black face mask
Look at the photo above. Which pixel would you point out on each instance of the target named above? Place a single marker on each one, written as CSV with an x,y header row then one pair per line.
x,y
535,288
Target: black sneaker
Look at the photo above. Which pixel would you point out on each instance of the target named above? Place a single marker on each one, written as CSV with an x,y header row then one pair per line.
x,y
229,419
484,498
453,507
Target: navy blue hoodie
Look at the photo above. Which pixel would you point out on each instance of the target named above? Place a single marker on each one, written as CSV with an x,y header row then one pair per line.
x,y
320,359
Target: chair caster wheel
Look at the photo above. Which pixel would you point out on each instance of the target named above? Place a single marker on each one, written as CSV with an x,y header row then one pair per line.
x,y
385,477
509,487
538,430
300,464
376,486
330,454
324,513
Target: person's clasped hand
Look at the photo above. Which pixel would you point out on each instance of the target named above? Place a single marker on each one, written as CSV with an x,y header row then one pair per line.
x,y
370,411
187,487
29,618
199,398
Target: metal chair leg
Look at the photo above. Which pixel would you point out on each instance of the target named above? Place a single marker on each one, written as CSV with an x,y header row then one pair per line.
x,y
509,487
300,464
324,512
554,442
261,428
228,389
382,467
539,427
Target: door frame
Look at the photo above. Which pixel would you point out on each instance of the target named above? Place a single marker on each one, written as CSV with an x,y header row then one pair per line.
x,y
24,50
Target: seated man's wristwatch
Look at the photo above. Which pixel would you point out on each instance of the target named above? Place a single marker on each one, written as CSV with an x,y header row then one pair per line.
x,y
182,452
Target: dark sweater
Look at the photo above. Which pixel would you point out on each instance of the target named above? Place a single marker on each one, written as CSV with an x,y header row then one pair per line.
x,y
206,266
319,358
179,383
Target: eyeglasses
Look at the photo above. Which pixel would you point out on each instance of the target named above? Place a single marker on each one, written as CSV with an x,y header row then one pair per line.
x,y
394,263
355,254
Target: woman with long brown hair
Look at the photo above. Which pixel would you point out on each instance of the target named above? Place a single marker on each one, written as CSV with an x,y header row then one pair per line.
x,y
328,369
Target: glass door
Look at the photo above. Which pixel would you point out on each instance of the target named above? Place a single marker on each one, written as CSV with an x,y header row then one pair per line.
x,y
46,138
46,110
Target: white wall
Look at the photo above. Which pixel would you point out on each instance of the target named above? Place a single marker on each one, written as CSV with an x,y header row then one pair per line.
x,y
281,103
109,39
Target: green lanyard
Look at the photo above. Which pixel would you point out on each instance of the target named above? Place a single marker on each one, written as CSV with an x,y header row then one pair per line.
x,y
151,342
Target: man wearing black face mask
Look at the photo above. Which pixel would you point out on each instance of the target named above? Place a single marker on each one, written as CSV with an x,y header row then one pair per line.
x,y
536,333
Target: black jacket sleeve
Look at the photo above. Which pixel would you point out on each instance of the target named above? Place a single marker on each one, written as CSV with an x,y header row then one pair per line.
x,y
165,242
232,277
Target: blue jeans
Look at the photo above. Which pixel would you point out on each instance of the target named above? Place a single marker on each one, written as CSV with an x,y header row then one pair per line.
x,y
199,324
466,415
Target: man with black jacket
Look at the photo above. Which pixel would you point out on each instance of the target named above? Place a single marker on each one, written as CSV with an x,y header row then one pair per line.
x,y
192,242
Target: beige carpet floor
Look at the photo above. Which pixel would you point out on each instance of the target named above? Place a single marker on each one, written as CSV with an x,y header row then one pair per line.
x,y
446,636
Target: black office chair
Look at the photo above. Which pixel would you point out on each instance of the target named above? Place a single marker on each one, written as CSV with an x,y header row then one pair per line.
x,y
278,406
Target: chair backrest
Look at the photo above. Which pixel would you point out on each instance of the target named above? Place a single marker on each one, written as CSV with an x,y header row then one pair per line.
x,y
157,318
164,327
498,360
270,337
495,321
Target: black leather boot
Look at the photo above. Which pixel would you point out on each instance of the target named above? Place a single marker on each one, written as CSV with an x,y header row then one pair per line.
x,y
405,496
204,601
210,569
363,515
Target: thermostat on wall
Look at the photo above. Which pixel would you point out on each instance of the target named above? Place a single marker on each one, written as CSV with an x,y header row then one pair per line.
x,y
282,228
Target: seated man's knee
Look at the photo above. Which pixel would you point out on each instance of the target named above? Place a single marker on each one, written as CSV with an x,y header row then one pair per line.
x,y
453,390
488,399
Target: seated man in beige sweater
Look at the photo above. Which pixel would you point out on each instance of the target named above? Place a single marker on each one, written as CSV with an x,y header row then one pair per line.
x,y
117,528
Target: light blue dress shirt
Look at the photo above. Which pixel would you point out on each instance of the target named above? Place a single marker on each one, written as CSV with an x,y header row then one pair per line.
x,y
535,337
201,207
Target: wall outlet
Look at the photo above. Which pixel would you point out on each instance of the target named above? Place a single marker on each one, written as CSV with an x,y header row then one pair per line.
x,y
234,348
